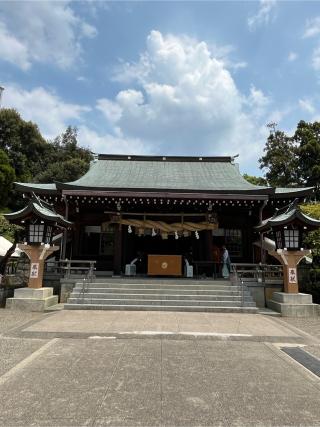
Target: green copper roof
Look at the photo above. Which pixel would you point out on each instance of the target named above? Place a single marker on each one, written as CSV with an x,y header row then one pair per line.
x,y
213,174
38,188
39,209
293,191
160,174
288,215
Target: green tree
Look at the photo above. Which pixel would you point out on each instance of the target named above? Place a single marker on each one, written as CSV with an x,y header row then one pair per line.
x,y
66,171
7,230
255,180
65,160
280,160
307,139
23,144
7,176
313,238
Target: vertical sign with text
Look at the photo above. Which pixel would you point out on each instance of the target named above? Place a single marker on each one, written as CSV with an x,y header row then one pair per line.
x,y
292,272
34,271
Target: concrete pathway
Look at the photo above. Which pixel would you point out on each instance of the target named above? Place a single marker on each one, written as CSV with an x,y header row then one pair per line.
x,y
84,323
101,373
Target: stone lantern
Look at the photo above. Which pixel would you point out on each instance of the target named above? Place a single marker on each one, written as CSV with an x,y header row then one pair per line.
x,y
289,226
41,222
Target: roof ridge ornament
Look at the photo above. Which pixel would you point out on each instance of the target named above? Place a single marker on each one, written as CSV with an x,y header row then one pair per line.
x,y
234,157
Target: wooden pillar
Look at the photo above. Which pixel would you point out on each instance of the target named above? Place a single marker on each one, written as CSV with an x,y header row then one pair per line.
x,y
208,245
290,261
76,239
37,255
117,249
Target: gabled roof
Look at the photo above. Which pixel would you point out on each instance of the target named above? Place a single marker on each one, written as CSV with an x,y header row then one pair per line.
x,y
288,215
39,209
144,173
163,174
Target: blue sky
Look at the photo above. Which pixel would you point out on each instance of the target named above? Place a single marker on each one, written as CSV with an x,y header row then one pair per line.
x,y
180,78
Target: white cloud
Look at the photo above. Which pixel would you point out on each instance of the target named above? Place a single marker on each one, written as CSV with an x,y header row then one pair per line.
x,y
12,50
52,114
312,27
111,110
107,143
307,105
264,15
184,101
43,107
292,56
257,100
276,116
41,32
316,58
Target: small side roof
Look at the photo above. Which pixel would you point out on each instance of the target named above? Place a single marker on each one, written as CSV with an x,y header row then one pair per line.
x,y
30,187
282,192
40,209
286,216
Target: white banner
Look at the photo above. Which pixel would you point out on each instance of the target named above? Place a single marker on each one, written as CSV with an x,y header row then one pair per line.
x,y
292,272
34,271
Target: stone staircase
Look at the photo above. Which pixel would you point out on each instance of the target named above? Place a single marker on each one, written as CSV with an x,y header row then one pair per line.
x,y
161,295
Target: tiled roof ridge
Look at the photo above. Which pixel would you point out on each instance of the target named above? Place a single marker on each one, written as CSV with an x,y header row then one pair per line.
x,y
154,158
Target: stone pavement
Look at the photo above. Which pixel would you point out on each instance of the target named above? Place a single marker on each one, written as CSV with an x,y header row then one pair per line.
x,y
179,325
103,369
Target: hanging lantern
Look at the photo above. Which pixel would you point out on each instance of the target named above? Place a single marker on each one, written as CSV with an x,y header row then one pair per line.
x,y
129,229
197,235
176,235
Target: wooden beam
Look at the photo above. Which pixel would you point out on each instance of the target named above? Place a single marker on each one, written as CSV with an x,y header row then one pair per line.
x,y
167,195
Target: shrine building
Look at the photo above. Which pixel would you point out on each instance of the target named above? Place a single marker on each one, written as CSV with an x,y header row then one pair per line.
x,y
128,208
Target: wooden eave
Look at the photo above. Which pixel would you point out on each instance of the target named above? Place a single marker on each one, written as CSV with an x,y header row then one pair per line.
x,y
236,195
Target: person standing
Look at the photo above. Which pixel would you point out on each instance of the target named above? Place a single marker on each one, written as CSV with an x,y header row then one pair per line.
x,y
225,263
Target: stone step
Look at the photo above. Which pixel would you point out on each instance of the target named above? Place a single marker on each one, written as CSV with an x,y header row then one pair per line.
x,y
157,301
148,279
156,282
146,307
161,294
159,287
115,295
160,291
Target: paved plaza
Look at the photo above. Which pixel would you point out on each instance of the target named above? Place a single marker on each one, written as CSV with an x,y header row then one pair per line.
x,y
74,368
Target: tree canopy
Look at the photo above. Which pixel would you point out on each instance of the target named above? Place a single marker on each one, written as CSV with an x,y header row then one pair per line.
x,y
290,161
26,156
280,160
66,161
256,180
307,140
313,239
7,176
